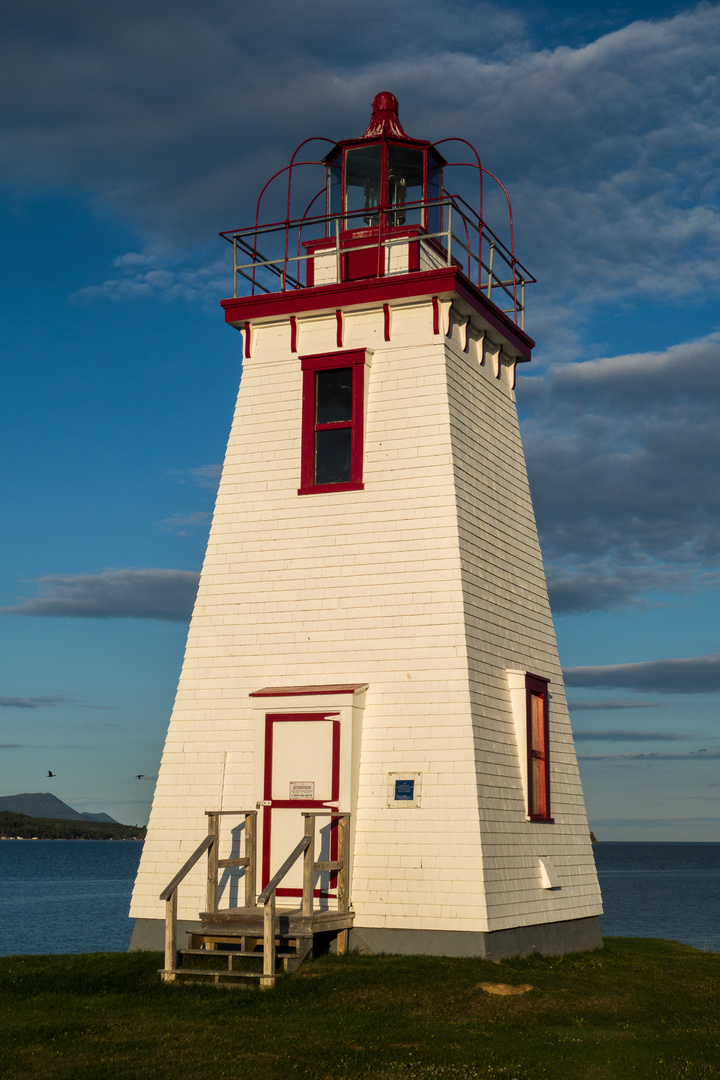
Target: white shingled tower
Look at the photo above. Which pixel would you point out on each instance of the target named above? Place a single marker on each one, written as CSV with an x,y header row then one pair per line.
x,y
371,678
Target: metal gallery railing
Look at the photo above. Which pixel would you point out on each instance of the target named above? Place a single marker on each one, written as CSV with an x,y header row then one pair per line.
x,y
285,255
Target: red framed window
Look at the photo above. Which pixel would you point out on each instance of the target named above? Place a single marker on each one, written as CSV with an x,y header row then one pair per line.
x,y
538,748
333,420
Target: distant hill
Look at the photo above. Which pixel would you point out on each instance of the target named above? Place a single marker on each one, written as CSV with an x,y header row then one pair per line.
x,y
21,827
42,804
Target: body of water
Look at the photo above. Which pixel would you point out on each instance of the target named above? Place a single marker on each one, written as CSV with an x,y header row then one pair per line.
x,y
72,896
66,896
661,890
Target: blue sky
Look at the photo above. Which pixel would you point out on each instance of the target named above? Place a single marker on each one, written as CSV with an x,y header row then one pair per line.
x,y
132,132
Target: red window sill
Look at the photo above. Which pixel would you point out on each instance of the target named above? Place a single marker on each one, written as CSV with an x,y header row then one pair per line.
x,y
318,489
545,820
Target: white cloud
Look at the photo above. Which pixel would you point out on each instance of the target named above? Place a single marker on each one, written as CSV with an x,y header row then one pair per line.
x,y
200,283
619,735
610,148
696,755
31,702
182,524
686,675
604,706
623,456
120,594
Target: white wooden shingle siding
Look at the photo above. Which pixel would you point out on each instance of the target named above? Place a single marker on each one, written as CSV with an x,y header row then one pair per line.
x,y
428,586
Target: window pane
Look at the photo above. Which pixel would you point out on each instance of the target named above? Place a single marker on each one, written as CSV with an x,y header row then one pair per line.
x,y
333,396
537,800
405,183
332,456
537,726
362,183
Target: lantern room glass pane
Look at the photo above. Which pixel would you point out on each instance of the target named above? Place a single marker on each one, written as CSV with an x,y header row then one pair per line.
x,y
332,455
333,396
434,213
405,183
362,184
335,188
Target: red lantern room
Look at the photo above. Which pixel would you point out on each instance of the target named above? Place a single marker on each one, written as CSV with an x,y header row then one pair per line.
x,y
381,185
387,212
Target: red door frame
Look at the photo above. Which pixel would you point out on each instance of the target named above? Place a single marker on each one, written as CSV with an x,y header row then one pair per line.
x,y
298,804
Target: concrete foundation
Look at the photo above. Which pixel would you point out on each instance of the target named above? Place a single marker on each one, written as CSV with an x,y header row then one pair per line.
x,y
548,939
149,934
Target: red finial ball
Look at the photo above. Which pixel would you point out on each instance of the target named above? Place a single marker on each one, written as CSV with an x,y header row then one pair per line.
x,y
384,120
385,100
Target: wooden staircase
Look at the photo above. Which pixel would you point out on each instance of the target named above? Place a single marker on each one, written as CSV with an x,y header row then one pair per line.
x,y
244,946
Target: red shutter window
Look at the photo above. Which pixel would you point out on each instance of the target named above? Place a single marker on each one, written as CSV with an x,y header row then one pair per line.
x,y
332,421
538,746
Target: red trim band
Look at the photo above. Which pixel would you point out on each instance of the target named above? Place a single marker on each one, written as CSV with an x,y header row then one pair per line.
x,y
299,691
444,282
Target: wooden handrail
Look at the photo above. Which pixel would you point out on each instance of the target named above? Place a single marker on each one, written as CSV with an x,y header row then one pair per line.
x,y
305,848
291,859
267,899
187,867
209,844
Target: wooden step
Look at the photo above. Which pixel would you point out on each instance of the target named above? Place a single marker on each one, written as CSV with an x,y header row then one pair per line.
x,y
256,954
170,974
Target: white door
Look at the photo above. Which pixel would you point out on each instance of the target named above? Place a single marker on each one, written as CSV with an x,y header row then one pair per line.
x,y
302,772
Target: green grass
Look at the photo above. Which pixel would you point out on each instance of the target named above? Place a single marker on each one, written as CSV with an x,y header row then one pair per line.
x,y
641,1008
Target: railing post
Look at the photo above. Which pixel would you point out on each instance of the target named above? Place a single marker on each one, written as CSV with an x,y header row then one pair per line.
x,y
170,937
337,248
449,235
268,975
211,902
490,268
343,855
251,854
309,866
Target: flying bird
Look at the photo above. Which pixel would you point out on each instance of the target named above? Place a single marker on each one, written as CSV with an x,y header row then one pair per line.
x,y
51,773
140,775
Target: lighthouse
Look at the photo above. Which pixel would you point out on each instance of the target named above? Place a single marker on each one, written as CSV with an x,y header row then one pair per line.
x,y
370,746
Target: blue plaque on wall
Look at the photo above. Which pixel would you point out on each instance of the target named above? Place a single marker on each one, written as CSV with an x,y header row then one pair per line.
x,y
404,790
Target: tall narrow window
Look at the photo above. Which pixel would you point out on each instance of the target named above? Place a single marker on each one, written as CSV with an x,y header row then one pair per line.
x,y
538,746
332,421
